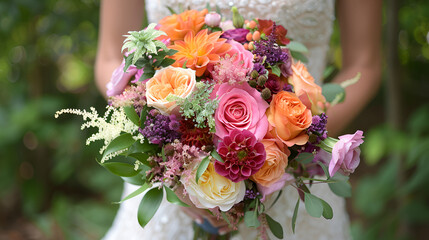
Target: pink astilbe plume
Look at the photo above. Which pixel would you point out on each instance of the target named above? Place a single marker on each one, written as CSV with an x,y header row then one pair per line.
x,y
227,72
133,95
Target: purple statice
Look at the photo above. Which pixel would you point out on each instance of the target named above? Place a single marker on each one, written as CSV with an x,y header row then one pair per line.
x,y
268,49
318,125
286,66
250,194
259,68
288,88
160,129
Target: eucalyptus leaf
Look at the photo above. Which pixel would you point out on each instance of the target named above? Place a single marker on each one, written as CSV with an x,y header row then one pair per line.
x,y
202,168
305,157
325,170
297,47
172,197
130,111
149,205
295,214
341,188
333,92
275,227
327,210
299,56
313,205
122,142
216,156
251,219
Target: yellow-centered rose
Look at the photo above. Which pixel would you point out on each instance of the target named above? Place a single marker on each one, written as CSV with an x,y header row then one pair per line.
x,y
214,190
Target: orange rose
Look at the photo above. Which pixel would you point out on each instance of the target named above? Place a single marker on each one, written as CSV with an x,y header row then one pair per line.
x,y
169,81
275,163
309,92
178,25
289,118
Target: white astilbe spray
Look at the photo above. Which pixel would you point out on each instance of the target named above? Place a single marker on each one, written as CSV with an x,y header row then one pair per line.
x,y
107,129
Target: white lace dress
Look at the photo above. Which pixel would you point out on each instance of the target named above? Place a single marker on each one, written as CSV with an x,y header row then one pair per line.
x,y
307,21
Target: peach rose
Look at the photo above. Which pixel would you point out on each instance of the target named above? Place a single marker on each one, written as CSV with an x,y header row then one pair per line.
x,y
176,26
169,81
306,89
275,163
289,118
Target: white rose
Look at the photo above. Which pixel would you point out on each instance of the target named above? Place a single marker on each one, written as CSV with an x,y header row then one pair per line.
x,y
214,190
169,81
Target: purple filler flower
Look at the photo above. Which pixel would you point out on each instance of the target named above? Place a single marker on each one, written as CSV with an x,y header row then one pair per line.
x,y
238,34
160,129
346,153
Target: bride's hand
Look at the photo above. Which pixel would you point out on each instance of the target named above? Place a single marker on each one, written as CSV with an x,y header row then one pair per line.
x,y
198,214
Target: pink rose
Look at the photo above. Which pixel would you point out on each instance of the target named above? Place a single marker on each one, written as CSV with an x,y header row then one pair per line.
x,y
346,153
285,180
240,107
227,25
212,19
241,56
120,79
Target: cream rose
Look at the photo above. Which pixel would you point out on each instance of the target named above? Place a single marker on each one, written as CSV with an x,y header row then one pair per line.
x,y
214,190
169,81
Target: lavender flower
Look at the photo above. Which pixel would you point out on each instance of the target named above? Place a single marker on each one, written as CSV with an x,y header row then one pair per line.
x,y
269,49
160,129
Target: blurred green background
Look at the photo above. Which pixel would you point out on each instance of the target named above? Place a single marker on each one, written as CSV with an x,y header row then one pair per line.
x,y
51,187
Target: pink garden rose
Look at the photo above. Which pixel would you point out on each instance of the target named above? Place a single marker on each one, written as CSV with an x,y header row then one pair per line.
x,y
240,107
346,153
120,79
241,56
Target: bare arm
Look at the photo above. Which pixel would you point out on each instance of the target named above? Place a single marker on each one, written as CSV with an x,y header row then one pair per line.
x,y
360,27
117,17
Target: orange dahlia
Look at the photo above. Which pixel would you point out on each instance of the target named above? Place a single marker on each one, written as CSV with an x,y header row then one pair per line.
x,y
178,25
200,51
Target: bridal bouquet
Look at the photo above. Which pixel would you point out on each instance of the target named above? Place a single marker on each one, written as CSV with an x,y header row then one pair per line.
x,y
222,113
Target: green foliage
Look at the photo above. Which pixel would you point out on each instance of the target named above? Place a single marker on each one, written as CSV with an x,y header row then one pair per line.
x,y
149,205
202,168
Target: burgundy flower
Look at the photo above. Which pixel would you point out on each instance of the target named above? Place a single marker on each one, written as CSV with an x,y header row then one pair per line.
x,y
242,154
238,34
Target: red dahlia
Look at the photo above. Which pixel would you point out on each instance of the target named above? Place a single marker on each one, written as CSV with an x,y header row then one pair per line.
x,y
242,154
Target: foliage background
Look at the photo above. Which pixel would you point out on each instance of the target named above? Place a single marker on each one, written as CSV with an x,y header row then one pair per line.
x,y
51,187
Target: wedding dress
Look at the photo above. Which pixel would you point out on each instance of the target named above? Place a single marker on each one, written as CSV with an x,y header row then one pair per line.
x,y
307,21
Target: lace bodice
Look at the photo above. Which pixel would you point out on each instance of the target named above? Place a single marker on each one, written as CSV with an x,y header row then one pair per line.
x,y
307,21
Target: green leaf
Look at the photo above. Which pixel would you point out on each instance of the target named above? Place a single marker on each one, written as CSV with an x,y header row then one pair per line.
x,y
202,168
297,47
327,210
135,180
225,218
164,158
216,156
122,142
128,61
167,62
184,64
295,214
251,219
305,157
172,197
333,92
341,188
130,111
145,147
299,56
149,205
121,169
275,227
171,52
276,70
277,198
170,10
143,115
141,157
135,193
325,170
313,205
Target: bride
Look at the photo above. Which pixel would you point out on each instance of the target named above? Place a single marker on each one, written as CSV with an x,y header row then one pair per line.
x,y
309,22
